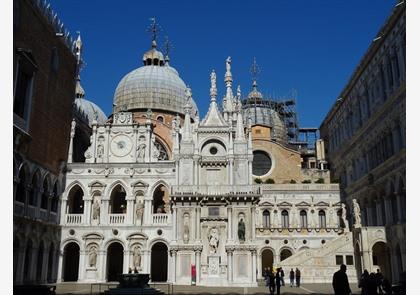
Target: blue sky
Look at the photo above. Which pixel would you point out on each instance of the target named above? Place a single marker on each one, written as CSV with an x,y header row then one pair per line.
x,y
310,46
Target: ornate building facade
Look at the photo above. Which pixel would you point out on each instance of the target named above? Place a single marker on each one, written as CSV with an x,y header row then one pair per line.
x,y
167,193
44,69
365,138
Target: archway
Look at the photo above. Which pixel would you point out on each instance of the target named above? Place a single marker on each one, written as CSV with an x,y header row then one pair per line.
x,y
267,259
160,199
284,254
159,263
381,259
75,200
118,200
71,262
115,255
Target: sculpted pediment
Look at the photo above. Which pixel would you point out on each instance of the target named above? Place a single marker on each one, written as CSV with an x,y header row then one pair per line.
x,y
285,204
93,236
303,204
322,204
266,204
139,184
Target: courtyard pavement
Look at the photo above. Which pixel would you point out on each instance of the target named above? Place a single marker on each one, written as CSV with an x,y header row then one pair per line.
x,y
73,288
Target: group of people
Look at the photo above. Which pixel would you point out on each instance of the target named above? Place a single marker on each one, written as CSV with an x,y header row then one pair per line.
x,y
374,283
275,280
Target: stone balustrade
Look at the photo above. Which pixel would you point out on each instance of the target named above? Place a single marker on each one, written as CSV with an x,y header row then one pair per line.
x,y
300,187
215,190
266,230
160,218
116,218
74,218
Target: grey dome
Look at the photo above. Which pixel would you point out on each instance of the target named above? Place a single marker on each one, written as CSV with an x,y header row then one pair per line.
x,y
156,87
91,110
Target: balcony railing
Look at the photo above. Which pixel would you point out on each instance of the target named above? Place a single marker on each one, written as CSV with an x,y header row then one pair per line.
x,y
215,190
116,218
160,218
74,218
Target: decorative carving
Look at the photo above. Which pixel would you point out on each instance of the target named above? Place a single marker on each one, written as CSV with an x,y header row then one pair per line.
x,y
136,257
141,151
92,256
344,217
356,214
96,210
140,210
186,234
213,240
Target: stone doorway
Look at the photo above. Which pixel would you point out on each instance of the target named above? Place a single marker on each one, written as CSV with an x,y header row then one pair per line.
x,y
71,262
159,263
114,260
381,258
267,259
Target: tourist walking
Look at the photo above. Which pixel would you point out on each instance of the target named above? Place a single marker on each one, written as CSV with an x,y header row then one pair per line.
x,y
266,277
297,274
341,282
278,281
372,285
379,278
292,277
364,282
272,284
282,276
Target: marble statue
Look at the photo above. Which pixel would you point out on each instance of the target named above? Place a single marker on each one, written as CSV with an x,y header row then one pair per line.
x,y
73,128
136,257
140,210
241,230
186,235
100,151
356,214
92,256
96,210
344,217
141,151
213,240
228,64
213,79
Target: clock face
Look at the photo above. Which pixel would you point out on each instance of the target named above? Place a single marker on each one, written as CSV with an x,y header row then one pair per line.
x,y
121,145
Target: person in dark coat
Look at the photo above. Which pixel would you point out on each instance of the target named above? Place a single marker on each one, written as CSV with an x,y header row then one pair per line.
x,y
372,285
297,275
272,284
266,277
379,278
386,286
282,276
292,277
278,281
341,282
364,282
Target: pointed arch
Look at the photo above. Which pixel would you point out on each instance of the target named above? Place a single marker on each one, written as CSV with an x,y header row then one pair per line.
x,y
35,188
115,184
72,184
22,182
161,199
118,199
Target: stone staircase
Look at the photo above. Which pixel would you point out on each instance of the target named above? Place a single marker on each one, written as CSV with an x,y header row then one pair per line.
x,y
318,265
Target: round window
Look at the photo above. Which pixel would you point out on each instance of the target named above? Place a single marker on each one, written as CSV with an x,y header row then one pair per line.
x,y
261,163
213,150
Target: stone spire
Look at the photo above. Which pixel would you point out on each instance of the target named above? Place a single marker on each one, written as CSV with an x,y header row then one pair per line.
x,y
186,136
78,48
213,116
239,123
228,102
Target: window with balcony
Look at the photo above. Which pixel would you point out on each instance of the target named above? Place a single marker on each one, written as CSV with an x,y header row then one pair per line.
x,y
322,219
285,219
118,200
303,219
266,219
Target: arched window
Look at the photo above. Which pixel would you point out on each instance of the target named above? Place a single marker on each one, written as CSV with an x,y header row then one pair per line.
x,y
161,152
322,219
118,200
21,187
54,200
75,200
303,219
33,198
266,219
285,218
160,119
44,197
160,199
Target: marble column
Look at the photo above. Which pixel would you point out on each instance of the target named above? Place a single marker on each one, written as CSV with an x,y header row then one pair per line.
x,y
60,267
253,222
82,267
230,264
63,208
254,266
87,210
174,255
130,211
126,261
20,265
102,266
148,211
197,265
366,260
229,212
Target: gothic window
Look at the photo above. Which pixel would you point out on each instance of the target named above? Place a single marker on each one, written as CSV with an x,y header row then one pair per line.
x,y
266,219
118,200
23,85
54,200
322,219
163,154
303,219
21,187
261,164
34,190
75,200
44,197
284,219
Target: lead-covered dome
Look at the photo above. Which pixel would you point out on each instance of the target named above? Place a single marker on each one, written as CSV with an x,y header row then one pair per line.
x,y
86,108
156,85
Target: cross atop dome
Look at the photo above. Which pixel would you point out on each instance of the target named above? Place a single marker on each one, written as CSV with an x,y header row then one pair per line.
x,y
154,30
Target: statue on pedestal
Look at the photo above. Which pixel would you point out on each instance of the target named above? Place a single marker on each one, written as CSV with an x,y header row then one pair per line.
x,y
356,214
213,240
136,257
96,210
241,230
92,256
140,210
186,234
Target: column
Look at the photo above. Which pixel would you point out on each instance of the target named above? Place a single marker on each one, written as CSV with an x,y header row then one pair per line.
x,y
378,212
253,222
148,211
173,254
230,264
104,212
44,265
366,260
197,265
254,264
126,261
147,261
82,262
102,268
20,263
198,225
130,210
259,266
229,212
388,211
60,267
63,210
399,209
231,181
174,223
87,210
